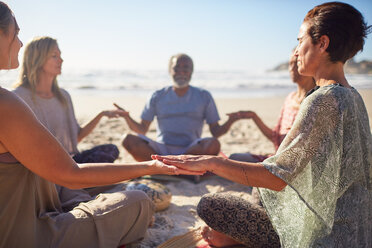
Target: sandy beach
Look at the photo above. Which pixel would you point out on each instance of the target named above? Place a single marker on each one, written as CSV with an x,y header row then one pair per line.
x,y
243,136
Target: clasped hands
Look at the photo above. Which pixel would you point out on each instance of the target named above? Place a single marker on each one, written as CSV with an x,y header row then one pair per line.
x,y
241,115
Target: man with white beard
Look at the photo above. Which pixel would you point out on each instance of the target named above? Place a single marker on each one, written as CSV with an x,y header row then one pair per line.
x,y
180,110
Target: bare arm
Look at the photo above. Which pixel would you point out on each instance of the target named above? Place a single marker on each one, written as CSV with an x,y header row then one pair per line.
x,y
218,130
252,174
138,127
267,131
31,144
88,127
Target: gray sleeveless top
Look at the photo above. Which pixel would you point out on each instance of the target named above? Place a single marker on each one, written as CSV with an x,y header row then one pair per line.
x,y
58,119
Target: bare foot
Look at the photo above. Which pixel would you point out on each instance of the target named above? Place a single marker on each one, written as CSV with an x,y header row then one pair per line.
x,y
152,221
217,239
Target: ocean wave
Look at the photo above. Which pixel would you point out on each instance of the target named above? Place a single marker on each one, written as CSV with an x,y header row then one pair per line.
x,y
219,82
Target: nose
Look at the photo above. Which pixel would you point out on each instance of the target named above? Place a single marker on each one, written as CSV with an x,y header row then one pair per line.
x,y
296,52
20,42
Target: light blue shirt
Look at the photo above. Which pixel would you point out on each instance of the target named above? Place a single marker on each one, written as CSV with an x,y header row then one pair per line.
x,y
180,119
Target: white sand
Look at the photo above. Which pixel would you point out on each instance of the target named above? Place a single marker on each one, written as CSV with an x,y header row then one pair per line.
x,y
243,136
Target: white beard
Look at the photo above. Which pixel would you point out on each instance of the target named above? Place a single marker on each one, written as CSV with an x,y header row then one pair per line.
x,y
181,84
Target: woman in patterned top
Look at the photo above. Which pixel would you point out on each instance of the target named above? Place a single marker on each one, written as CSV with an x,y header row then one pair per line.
x,y
317,189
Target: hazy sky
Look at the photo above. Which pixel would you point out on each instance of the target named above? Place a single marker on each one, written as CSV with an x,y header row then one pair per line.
x,y
142,34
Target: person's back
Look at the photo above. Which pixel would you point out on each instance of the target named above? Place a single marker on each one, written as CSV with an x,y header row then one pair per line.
x,y
353,180
336,141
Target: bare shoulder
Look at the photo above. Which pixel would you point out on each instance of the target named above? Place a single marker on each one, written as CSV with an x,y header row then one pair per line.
x,y
13,108
10,102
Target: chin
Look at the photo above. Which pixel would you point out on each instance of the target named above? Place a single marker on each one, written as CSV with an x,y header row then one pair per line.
x,y
303,72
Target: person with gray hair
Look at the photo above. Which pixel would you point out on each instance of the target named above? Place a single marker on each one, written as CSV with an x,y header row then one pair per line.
x,y
181,110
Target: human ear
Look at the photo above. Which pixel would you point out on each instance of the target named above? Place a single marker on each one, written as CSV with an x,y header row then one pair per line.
x,y
323,43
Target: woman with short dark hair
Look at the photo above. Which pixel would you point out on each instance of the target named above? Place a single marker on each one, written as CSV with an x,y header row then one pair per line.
x,y
317,189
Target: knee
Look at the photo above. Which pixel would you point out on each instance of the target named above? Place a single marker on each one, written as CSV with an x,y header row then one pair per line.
x,y
204,206
233,156
214,147
240,157
128,141
142,200
244,157
111,149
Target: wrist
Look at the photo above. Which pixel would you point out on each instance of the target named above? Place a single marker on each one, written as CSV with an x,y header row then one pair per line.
x,y
101,114
213,167
150,167
125,116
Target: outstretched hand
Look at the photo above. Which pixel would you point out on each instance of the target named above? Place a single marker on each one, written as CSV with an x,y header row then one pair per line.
x,y
196,163
121,111
112,113
242,115
160,167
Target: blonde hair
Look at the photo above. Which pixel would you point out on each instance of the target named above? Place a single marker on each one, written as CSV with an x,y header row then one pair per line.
x,y
35,55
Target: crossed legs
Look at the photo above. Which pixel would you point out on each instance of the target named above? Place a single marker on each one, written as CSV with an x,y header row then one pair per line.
x,y
206,146
138,148
232,220
141,150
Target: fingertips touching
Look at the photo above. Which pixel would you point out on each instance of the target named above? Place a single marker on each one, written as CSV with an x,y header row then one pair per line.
x,y
156,157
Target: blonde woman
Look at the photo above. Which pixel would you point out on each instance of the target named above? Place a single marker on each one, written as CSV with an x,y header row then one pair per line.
x,y
52,105
32,160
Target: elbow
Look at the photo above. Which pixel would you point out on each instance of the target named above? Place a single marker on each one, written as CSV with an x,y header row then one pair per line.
x,y
74,186
71,179
141,131
70,184
216,134
80,137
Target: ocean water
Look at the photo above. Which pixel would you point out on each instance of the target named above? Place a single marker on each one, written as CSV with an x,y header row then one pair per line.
x,y
223,84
